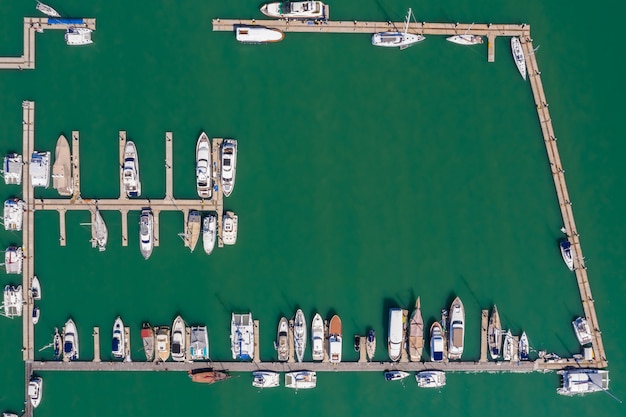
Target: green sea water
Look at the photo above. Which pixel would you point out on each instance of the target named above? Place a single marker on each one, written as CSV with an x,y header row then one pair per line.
x,y
366,177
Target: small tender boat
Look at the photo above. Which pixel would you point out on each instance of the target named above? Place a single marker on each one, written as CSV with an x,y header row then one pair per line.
x,y
207,376
78,36
301,379
436,342
45,9
204,182
146,238
13,301
583,381
370,345
282,340
582,330
518,56
265,379
508,348
494,334
35,386
36,314
395,336
39,169
147,338
229,165
12,169
457,329
13,214
199,343
395,375
416,333
57,344
35,288
229,228
299,334
100,231
163,343
130,171
397,39
295,10
566,253
178,339
317,337
118,345
258,34
13,260
70,341
524,347
430,379
193,229
335,339
209,233
62,179
242,336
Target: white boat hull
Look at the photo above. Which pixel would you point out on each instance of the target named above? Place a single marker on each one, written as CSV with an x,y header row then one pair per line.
x,y
118,345
242,336
78,36
456,329
229,165
301,380
317,337
130,171
209,233
177,344
518,56
396,39
70,342
430,379
146,233
265,379
299,334
295,10
465,39
229,228
204,181
258,34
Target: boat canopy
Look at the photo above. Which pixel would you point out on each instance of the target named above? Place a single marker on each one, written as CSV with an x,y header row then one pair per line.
x,y
64,21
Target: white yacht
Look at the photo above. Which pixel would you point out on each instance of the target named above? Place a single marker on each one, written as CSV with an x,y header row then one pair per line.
x,y
13,214
199,343
70,341
62,179
583,381
583,331
457,329
101,234
395,375
258,34
518,56
229,165
39,169
524,347
193,229
317,337
13,260
242,336
35,387
229,228
265,379
130,171
508,347
436,342
335,339
35,288
36,314
295,10
47,10
13,301
118,346
396,334
162,343
299,334
209,233
178,339
430,379
12,169
282,340
204,181
78,36
397,39
494,334
301,379
146,238
566,253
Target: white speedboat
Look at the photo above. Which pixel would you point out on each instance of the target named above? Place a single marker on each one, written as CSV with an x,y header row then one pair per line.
x,y
35,387
12,169
258,34
47,10
566,253
242,336
265,379
13,301
416,333
146,238
430,379
518,56
583,331
130,171
39,169
436,342
508,347
370,345
583,381
524,347
209,233
13,214
204,181
163,343
317,337
13,260
62,179
70,341
101,232
301,379
78,36
395,375
192,233
466,39
36,314
335,339
199,343
494,334
397,39
178,339
147,339
457,329
118,345
35,289
282,340
299,334
396,334
229,228
295,10
229,165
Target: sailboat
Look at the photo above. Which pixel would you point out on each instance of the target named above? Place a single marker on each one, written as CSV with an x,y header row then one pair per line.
x,y
466,39
494,334
416,333
299,334
400,40
524,347
518,56
62,179
101,233
47,10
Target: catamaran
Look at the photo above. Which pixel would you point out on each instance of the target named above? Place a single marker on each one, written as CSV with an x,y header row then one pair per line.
x,y
265,379
193,229
396,334
209,233
101,234
370,345
566,253
178,339
13,260
45,9
335,339
582,330
466,39
430,379
35,386
147,339
518,56
12,169
13,214
242,336
146,238
457,329
229,165
130,171
163,343
416,333
583,381
78,36
301,379
317,337
294,10
494,334
199,343
282,340
13,301
62,179
229,228
204,182
118,347
396,39
35,288
70,341
258,34
39,169
299,334
436,342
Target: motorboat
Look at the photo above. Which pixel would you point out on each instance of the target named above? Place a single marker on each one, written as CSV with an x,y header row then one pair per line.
x,y
147,339
508,347
13,214
265,379
57,344
282,340
78,36
178,340
566,253
209,233
295,10
416,333
457,329
465,39
395,336
258,34
204,181
35,288
39,169
436,342
317,337
242,336
13,301
118,347
12,169
193,229
335,339
100,232
583,381
70,342
395,375
47,10
229,228
301,379
524,347
36,314
370,344
207,376
62,179
357,343
130,171
397,39
13,260
163,343
494,334
518,56
35,386
582,330
299,334
430,379
199,343
146,230
229,165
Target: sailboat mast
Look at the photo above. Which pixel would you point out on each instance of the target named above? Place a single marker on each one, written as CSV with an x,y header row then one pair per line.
x,y
408,19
